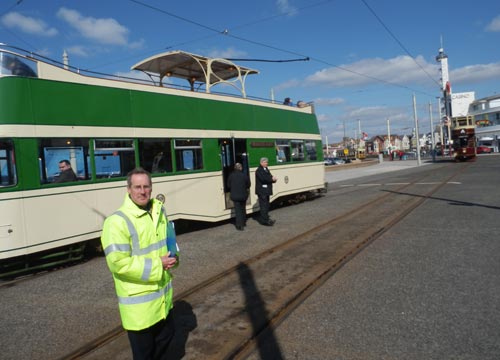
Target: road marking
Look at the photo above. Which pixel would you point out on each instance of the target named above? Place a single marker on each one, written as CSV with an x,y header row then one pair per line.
x,y
398,184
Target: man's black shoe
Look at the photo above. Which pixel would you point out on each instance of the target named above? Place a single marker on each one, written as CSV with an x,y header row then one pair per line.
x,y
239,228
272,222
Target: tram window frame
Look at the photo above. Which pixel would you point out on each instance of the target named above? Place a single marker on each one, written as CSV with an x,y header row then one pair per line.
x,y
122,153
11,64
188,154
52,150
283,151
297,147
8,169
156,155
311,153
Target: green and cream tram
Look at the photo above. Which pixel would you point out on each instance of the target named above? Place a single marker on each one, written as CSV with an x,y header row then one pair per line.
x,y
189,139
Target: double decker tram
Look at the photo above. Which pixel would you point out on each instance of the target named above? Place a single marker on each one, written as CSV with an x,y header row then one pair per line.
x,y
464,138
188,138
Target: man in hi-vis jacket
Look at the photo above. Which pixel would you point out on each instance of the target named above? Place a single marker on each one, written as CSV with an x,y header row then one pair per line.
x,y
134,241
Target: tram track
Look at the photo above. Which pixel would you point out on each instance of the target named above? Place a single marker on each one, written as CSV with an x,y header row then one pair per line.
x,y
238,308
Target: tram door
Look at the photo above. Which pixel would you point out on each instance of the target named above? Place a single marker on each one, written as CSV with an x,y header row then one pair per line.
x,y
232,151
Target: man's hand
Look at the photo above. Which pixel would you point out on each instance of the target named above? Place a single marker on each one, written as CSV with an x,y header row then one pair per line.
x,y
167,261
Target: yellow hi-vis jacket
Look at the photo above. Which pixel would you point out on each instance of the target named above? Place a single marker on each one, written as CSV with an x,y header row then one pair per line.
x,y
133,241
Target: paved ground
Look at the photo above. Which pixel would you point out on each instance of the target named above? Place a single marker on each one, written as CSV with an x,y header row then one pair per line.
x,y
336,173
428,289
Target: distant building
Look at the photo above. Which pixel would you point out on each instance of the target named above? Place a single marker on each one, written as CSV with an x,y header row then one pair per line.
x,y
460,103
486,112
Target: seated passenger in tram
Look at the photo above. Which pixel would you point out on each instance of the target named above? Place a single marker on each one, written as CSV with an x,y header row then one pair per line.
x,y
66,173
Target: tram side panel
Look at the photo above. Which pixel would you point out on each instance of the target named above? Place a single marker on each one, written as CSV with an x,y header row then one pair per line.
x,y
197,196
12,226
297,178
61,216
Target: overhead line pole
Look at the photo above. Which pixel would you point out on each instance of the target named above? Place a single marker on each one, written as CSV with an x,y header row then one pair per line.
x,y
416,130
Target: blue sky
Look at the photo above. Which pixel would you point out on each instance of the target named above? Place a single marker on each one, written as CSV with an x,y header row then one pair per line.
x,y
366,58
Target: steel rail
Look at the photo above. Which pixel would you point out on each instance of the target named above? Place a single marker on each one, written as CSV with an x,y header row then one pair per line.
x,y
245,347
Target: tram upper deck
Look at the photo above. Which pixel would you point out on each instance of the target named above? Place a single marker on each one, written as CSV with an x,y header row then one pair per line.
x,y
201,73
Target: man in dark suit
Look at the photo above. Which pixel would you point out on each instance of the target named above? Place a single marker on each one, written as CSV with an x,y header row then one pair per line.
x,y
264,189
238,184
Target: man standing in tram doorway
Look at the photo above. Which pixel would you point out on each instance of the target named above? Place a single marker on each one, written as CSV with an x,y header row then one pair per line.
x,y
264,189
134,239
238,184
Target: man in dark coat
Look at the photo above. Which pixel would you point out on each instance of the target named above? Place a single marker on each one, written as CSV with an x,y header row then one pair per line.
x,y
238,184
66,173
264,189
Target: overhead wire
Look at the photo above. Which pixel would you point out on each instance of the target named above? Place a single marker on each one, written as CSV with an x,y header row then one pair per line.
x,y
14,34
227,32
398,41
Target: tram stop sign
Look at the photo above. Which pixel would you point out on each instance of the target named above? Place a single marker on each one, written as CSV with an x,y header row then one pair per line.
x,y
346,151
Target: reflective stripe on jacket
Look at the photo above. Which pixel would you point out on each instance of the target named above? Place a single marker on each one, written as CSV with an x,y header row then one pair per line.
x,y
133,241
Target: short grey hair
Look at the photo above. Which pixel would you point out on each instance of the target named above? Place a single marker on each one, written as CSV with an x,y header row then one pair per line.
x,y
137,171
264,159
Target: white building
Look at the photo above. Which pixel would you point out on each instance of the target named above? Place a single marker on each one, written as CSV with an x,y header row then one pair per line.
x,y
486,112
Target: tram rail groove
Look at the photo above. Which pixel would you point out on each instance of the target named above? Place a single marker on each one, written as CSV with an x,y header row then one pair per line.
x,y
248,347
242,346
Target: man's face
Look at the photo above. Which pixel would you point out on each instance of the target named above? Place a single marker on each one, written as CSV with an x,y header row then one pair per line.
x,y
63,167
140,189
263,163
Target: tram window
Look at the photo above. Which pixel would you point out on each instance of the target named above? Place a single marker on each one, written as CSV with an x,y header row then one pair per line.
x,y
311,150
188,154
15,65
52,151
113,157
155,155
8,176
282,151
297,150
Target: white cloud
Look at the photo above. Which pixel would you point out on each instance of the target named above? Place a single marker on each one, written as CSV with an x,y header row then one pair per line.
x,y
284,7
229,53
494,25
104,31
329,101
28,25
322,117
368,111
288,84
77,50
399,70
475,73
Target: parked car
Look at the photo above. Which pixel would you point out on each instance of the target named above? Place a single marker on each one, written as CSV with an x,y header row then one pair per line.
x,y
338,161
328,161
483,149
334,161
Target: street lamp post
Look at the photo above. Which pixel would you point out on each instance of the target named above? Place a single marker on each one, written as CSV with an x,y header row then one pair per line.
x,y
432,133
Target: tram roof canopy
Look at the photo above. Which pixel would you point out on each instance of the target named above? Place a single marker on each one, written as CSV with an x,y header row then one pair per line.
x,y
192,67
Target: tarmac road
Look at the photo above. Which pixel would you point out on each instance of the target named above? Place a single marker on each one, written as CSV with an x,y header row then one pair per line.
x,y
337,173
427,289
